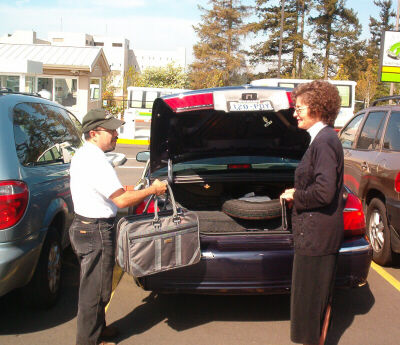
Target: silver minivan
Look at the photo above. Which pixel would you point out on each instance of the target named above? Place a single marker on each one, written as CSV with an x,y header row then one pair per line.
x,y
37,138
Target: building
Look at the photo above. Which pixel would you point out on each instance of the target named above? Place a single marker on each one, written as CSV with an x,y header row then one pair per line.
x,y
160,58
76,57
70,76
116,49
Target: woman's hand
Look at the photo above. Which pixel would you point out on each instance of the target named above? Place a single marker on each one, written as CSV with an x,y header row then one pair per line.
x,y
287,195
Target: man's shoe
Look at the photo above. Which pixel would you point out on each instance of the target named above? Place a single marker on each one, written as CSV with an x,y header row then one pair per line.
x,y
109,332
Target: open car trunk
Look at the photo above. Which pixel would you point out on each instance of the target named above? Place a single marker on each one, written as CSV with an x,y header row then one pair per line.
x,y
207,199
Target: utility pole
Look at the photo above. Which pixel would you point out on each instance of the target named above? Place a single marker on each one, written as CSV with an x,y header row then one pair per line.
x,y
397,29
278,74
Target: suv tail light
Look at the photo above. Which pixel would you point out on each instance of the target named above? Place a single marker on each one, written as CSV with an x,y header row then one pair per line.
x,y
353,217
397,183
13,201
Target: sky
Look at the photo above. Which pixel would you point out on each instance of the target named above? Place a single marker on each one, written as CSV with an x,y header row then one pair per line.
x,y
147,24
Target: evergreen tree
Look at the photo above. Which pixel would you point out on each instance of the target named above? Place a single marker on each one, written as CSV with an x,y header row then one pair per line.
x,y
335,27
378,26
293,40
218,58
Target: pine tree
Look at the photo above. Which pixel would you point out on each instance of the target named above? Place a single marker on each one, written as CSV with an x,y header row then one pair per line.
x,y
378,26
218,57
335,27
293,34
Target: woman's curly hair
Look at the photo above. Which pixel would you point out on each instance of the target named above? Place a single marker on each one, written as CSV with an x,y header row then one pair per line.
x,y
322,99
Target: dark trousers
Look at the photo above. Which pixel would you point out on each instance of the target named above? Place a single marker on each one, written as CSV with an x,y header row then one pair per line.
x,y
93,243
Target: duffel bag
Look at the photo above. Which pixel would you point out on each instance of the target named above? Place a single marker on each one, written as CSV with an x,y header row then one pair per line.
x,y
152,243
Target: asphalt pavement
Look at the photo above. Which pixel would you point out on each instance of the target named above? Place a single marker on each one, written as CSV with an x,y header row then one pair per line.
x,y
362,316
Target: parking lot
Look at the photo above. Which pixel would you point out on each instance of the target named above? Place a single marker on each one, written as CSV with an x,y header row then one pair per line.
x,y
367,315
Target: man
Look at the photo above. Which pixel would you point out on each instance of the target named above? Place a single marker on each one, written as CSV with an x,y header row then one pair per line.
x,y
97,194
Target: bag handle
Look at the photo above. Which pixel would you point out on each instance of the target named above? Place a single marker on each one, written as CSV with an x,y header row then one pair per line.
x,y
174,208
152,197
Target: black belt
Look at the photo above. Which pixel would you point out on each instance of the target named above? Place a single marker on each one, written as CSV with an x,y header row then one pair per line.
x,y
94,220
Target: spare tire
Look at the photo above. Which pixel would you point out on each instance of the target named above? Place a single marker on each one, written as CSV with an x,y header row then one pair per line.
x,y
253,208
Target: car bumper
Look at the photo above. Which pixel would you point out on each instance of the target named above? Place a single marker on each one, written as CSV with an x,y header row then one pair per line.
x,y
18,261
222,271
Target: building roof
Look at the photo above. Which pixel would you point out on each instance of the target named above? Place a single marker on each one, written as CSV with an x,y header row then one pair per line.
x,y
56,57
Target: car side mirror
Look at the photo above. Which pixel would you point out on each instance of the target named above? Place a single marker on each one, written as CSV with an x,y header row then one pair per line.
x,y
116,159
143,156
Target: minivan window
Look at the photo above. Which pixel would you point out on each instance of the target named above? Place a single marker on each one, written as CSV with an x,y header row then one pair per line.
x,y
369,135
348,135
392,135
39,133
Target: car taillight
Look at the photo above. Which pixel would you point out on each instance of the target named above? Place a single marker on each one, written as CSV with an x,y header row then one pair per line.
x,y
353,217
191,102
140,208
397,183
13,200
290,100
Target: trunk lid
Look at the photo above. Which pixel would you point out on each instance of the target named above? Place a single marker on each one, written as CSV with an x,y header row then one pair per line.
x,y
230,121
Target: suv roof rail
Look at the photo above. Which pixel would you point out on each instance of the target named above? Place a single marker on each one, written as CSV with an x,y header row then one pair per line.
x,y
388,98
6,90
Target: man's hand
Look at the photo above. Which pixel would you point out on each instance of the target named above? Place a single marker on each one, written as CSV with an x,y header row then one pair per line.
x,y
159,187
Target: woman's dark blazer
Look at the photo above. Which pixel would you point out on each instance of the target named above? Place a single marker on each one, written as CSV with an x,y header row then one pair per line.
x,y
318,204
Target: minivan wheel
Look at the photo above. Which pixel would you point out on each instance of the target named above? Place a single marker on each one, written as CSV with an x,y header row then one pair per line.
x,y
378,232
43,290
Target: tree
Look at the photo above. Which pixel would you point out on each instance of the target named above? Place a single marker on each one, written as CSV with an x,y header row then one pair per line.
x,y
218,58
335,26
378,26
367,83
293,34
170,76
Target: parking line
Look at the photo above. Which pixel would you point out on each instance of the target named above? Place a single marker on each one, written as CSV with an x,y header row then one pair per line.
x,y
392,280
117,275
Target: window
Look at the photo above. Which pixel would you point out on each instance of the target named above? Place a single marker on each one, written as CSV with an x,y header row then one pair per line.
x,y
42,134
45,87
30,84
65,91
392,135
150,97
99,44
10,82
345,95
369,139
94,88
117,44
349,133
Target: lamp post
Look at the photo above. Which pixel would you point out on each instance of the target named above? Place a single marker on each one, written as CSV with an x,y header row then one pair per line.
x,y
397,29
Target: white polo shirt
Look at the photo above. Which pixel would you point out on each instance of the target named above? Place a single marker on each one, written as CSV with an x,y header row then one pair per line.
x,y
93,180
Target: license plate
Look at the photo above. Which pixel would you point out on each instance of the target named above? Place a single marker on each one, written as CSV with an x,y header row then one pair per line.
x,y
250,106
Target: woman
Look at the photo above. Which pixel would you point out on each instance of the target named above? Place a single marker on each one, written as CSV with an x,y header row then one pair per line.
x,y
317,215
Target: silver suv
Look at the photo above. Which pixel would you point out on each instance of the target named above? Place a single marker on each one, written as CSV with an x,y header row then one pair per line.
x,y
37,138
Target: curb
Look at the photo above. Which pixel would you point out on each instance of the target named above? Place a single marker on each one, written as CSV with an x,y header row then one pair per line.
x,y
134,141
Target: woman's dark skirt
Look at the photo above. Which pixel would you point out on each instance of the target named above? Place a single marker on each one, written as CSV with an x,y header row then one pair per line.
x,y
312,285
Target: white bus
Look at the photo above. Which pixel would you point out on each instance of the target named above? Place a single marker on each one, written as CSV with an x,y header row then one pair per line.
x,y
347,92
140,100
